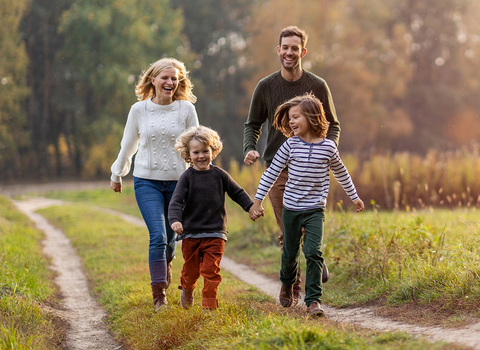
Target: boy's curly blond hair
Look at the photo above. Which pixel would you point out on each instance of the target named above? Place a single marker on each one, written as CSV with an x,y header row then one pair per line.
x,y
208,137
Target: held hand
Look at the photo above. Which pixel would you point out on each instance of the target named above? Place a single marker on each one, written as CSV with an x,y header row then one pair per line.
x,y
177,227
116,186
251,157
256,210
359,204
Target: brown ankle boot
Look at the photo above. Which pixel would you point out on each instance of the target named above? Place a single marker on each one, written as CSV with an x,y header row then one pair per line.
x,y
186,297
159,296
286,296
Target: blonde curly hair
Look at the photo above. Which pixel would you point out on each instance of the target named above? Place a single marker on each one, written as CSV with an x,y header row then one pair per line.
x,y
145,89
206,136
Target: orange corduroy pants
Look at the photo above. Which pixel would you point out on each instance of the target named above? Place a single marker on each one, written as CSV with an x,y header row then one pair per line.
x,y
202,257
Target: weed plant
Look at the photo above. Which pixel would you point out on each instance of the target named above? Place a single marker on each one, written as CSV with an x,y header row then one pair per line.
x,y
115,260
25,286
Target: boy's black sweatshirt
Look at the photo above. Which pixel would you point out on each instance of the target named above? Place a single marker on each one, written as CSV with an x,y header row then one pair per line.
x,y
198,201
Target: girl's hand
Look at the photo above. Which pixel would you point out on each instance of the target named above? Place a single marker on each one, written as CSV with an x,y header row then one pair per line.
x,y
177,227
256,210
359,204
116,186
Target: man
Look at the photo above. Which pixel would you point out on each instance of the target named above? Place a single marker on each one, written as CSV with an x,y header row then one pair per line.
x,y
271,92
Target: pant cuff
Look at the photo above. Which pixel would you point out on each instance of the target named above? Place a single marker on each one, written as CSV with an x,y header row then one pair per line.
x,y
210,303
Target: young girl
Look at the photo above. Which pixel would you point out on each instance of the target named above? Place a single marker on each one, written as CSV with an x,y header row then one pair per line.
x,y
165,110
309,156
197,213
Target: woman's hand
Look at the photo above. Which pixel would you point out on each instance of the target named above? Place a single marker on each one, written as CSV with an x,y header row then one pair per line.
x,y
116,186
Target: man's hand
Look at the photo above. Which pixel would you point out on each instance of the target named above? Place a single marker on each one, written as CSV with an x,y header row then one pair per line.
x,y
359,204
116,186
251,157
177,227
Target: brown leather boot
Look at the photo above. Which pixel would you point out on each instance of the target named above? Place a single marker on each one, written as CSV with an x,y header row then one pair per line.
x,y
286,296
315,310
186,297
159,296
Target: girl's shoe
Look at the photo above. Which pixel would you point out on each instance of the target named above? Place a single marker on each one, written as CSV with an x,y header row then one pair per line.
x,y
286,297
314,310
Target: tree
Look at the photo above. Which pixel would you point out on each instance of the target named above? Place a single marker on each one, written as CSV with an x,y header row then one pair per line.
x,y
107,45
13,89
216,34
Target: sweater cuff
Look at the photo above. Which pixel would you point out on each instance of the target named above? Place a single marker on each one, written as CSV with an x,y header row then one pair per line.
x,y
116,179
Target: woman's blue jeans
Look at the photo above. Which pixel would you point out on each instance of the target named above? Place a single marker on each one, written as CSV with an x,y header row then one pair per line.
x,y
153,198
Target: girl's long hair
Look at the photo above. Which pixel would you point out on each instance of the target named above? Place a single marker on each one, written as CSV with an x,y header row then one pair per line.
x,y
311,108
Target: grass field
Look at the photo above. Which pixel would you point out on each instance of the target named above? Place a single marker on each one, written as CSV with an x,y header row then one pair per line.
x,y
115,256
26,286
404,261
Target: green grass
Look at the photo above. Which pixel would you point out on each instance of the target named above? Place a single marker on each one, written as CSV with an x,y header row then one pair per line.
x,y
25,286
115,259
429,257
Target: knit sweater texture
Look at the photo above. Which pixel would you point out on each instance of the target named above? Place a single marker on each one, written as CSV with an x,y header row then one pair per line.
x,y
151,130
270,93
199,201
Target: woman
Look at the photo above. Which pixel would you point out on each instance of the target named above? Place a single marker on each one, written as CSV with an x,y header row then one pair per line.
x,y
165,110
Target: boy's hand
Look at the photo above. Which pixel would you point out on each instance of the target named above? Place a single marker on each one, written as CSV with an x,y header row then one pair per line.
x,y
177,227
256,210
359,204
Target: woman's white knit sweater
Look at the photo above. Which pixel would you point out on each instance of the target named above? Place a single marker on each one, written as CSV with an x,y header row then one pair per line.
x,y
152,130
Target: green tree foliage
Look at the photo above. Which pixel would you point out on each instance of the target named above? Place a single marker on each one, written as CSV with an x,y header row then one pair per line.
x,y
216,33
43,42
107,46
13,89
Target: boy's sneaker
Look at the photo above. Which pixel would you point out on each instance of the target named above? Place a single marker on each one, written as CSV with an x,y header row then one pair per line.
x,y
314,310
287,297
186,297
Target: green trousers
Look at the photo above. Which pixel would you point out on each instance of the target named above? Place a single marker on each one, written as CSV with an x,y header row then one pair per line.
x,y
313,221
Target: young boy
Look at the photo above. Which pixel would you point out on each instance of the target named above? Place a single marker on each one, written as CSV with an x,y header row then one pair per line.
x,y
197,213
309,156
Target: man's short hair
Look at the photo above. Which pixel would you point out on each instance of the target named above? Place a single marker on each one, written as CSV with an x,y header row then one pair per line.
x,y
294,31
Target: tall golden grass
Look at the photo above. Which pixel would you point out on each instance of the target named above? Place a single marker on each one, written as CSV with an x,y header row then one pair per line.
x,y
399,181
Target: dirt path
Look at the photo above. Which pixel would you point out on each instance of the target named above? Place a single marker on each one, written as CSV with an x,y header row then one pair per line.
x,y
85,316
87,329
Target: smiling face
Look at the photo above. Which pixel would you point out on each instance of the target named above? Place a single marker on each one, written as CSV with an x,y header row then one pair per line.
x,y
299,123
200,155
291,52
166,84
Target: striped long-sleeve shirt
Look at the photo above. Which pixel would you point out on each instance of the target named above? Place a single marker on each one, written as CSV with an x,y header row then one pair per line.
x,y
308,174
